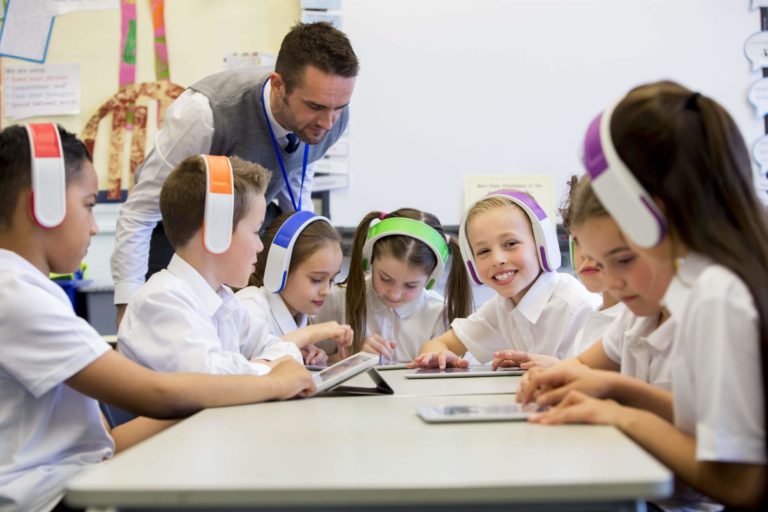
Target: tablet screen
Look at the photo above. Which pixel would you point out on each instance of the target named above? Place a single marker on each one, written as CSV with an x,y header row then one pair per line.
x,y
359,360
463,413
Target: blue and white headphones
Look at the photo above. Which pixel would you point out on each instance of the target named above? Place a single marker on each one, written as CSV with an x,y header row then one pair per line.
x,y
544,234
617,188
281,250
49,187
415,229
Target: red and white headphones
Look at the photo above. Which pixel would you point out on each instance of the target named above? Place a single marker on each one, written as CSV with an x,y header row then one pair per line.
x,y
49,185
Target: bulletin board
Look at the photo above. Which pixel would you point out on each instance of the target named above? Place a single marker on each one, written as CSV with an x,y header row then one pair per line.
x,y
199,34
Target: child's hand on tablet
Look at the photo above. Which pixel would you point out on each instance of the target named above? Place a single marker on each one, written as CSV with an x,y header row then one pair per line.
x,y
291,378
377,345
442,360
549,386
314,356
509,358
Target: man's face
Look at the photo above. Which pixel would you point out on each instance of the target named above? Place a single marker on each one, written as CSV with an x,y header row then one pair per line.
x,y
314,105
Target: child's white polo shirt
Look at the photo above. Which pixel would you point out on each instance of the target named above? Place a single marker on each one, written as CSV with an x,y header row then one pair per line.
x,y
48,431
177,323
409,325
716,371
545,322
641,347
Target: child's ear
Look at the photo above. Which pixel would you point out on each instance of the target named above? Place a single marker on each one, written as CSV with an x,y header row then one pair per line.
x,y
24,208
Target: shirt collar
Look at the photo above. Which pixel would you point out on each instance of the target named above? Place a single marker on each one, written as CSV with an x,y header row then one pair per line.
x,y
285,319
662,336
536,298
208,297
376,305
679,290
279,131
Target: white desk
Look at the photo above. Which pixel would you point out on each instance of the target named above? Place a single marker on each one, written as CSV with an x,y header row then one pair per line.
x,y
506,384
373,451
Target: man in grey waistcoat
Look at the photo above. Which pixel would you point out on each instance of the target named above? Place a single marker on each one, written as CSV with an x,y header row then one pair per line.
x,y
284,121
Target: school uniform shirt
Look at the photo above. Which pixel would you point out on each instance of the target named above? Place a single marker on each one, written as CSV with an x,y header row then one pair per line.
x,y
545,322
178,323
716,372
48,431
409,325
596,325
269,307
641,347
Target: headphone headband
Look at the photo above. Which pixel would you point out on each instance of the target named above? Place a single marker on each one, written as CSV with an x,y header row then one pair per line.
x,y
49,185
281,249
421,231
219,203
617,188
544,234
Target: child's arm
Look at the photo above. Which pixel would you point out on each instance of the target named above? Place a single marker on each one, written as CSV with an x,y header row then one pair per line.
x,y
115,380
550,386
733,484
137,430
596,358
311,334
445,350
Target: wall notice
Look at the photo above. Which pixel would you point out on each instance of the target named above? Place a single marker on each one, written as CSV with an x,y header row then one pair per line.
x,y
45,90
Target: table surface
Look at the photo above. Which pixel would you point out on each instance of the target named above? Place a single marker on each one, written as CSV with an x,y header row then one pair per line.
x,y
373,451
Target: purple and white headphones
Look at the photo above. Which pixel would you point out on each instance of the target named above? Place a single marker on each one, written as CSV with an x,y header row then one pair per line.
x,y
617,188
544,234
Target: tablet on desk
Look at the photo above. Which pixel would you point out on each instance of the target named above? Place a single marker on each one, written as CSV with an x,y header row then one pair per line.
x,y
472,371
336,374
469,413
393,365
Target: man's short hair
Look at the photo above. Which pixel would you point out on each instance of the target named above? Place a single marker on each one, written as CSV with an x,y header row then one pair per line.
x,y
315,44
182,199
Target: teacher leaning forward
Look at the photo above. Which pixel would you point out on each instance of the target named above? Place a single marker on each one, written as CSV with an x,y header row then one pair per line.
x,y
284,121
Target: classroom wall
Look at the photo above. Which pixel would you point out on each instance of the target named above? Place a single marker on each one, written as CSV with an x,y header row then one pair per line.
x,y
449,87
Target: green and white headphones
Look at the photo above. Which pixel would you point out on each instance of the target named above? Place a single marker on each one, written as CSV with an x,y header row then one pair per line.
x,y
414,229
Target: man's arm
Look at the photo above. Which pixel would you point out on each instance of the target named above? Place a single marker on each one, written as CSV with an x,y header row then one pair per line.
x,y
188,130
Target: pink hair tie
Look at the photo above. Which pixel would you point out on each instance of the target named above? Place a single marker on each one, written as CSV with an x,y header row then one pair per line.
x,y
383,215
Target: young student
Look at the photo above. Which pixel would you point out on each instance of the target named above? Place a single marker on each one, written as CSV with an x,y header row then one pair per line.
x,y
509,244
638,344
394,309
292,280
186,317
591,276
53,365
672,169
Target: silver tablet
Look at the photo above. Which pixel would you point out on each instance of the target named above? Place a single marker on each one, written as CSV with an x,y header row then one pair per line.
x,y
472,371
344,370
391,366
468,413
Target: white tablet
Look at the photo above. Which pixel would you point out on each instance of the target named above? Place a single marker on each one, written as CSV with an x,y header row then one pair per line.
x,y
468,413
344,370
394,365
472,371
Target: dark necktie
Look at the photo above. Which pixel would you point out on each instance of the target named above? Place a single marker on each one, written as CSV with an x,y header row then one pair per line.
x,y
293,143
